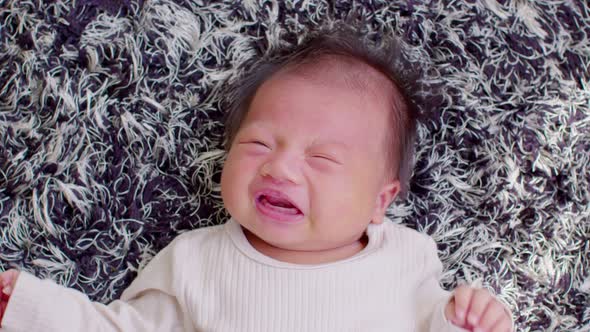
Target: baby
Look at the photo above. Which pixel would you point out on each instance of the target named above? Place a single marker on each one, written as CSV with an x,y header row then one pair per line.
x,y
308,246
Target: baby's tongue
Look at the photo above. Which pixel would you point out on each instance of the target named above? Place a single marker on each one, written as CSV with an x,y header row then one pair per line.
x,y
279,202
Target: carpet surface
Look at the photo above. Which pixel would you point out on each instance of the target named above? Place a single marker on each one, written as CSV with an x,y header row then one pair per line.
x,y
111,132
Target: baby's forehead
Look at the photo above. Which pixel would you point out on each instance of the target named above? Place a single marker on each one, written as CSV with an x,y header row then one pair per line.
x,y
345,71
334,85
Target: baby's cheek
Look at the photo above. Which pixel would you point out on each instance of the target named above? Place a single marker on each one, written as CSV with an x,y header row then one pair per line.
x,y
342,197
230,184
243,163
238,175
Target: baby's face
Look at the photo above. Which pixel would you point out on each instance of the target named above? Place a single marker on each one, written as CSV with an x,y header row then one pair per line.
x,y
306,169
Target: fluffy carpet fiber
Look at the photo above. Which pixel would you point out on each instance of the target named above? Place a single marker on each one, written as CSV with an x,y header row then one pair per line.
x,y
110,135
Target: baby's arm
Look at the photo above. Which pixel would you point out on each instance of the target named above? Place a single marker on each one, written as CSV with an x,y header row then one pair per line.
x,y
153,302
478,310
7,281
467,309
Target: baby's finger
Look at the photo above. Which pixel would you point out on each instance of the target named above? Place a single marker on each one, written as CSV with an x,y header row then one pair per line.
x,y
7,290
504,325
462,297
5,279
479,303
3,305
8,278
492,316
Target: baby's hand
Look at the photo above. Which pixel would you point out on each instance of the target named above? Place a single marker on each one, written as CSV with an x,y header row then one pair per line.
x,y
477,310
7,282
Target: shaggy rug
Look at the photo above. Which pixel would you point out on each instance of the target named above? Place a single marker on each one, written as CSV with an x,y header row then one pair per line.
x,y
111,122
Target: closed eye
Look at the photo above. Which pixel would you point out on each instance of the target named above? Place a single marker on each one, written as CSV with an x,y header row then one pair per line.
x,y
260,143
257,143
326,158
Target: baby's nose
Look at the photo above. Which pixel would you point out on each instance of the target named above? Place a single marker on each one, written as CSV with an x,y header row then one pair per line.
x,y
280,169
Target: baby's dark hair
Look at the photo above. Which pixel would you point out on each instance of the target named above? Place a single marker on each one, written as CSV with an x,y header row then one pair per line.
x,y
340,40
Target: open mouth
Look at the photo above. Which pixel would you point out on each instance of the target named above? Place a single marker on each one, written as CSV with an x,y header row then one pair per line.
x,y
277,206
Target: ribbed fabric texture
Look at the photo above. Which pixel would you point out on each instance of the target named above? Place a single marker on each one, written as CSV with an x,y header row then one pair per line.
x,y
212,279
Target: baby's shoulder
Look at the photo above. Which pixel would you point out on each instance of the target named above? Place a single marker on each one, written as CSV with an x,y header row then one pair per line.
x,y
196,241
406,236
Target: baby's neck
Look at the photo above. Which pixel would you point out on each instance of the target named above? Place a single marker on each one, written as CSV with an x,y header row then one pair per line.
x,y
306,257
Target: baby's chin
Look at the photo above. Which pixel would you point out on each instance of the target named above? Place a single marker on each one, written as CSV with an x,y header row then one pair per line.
x,y
288,237
295,242
306,252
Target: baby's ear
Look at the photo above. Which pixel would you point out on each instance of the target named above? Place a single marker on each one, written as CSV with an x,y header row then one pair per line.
x,y
387,194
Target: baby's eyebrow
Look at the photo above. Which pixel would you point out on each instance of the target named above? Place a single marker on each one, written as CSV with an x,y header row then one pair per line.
x,y
252,126
315,144
336,144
